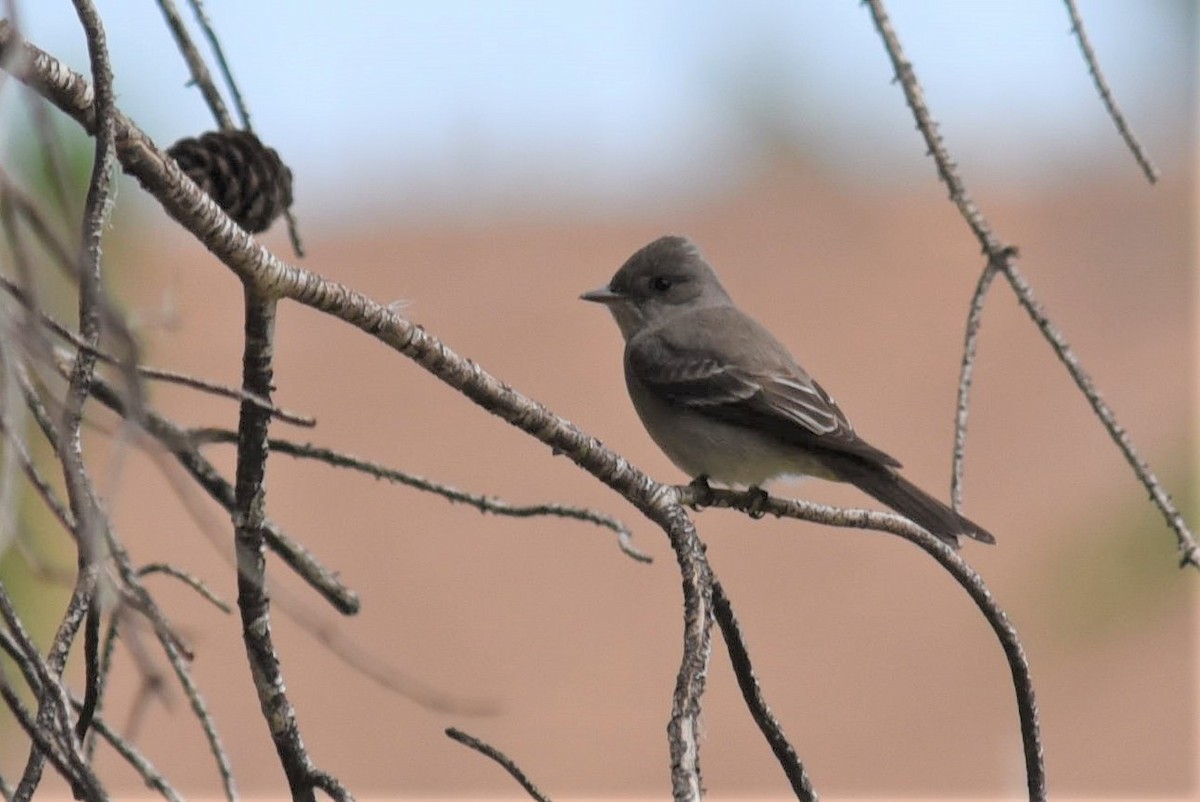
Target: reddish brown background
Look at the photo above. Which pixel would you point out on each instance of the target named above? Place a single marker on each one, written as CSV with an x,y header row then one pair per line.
x,y
885,676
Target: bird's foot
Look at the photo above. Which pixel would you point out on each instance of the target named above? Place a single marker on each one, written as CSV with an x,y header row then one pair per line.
x,y
702,492
757,506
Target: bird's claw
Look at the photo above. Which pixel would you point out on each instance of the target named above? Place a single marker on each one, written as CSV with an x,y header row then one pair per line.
x,y
702,493
756,508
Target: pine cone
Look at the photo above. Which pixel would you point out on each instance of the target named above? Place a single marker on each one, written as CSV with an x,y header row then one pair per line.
x,y
246,178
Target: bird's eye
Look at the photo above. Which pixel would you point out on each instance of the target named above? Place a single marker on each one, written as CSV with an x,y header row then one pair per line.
x,y
660,283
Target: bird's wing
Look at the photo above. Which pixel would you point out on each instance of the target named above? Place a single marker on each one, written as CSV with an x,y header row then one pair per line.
x,y
729,367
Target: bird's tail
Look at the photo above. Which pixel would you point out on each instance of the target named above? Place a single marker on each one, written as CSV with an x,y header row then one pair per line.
x,y
885,485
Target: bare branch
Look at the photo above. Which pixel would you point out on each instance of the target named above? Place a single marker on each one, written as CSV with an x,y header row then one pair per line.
x,y
196,65
40,484
222,62
966,374
191,581
248,521
96,209
174,377
140,600
507,763
753,503
92,668
1003,258
772,730
480,502
294,554
150,776
1110,103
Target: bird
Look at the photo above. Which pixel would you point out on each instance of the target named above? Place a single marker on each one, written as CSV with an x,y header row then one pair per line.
x,y
726,401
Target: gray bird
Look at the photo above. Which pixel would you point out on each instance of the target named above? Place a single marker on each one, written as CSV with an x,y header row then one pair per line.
x,y
726,401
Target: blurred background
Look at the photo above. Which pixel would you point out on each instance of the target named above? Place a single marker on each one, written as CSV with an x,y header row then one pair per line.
x,y
486,162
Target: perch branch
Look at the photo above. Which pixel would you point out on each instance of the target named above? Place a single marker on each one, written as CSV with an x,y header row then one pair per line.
x,y
753,503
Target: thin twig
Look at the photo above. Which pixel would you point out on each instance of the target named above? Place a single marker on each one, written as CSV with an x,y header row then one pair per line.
x,y
772,730
1110,103
145,371
322,579
40,484
47,139
507,763
486,504
106,659
196,65
111,318
145,769
92,677
330,785
966,375
243,110
754,503
64,760
96,210
70,446
1188,550
1004,258
195,583
53,707
140,600
215,43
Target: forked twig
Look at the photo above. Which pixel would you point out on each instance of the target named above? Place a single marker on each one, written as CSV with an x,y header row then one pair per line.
x,y
1003,258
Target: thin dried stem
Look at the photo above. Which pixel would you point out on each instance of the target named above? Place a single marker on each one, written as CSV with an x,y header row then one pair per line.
x,y
145,769
1110,102
487,504
1003,257
966,375
196,65
39,483
322,579
147,372
506,762
195,583
96,210
772,730
51,705
215,43
177,656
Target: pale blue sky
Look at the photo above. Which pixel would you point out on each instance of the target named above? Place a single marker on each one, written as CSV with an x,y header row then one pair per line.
x,y
601,102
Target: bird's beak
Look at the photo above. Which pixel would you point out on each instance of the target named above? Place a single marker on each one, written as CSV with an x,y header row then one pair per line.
x,y
602,295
